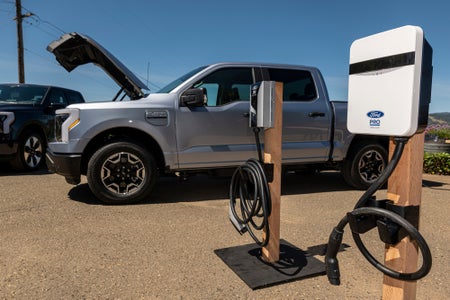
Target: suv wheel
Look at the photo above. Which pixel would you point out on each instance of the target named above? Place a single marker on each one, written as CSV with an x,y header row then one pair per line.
x,y
364,165
122,172
31,151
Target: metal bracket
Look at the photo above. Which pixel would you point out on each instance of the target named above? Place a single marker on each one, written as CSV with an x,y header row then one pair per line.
x,y
268,170
388,231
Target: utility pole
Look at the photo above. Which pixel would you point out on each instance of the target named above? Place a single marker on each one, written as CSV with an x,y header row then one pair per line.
x,y
18,19
20,41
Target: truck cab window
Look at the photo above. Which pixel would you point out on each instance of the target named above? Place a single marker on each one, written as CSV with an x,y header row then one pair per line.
x,y
227,85
57,97
74,97
298,85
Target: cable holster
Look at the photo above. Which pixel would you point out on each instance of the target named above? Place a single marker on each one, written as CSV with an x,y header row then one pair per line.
x,y
389,232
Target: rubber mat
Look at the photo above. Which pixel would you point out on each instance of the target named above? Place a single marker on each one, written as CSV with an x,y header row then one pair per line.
x,y
294,264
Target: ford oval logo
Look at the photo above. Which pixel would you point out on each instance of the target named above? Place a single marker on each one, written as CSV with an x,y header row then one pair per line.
x,y
375,114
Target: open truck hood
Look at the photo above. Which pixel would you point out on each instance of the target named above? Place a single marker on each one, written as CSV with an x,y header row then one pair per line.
x,y
74,49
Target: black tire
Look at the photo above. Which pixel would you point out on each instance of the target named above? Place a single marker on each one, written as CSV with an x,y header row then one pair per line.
x,y
122,173
30,154
364,165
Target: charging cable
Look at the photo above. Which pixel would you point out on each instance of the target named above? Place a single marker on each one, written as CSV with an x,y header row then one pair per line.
x,y
383,217
250,203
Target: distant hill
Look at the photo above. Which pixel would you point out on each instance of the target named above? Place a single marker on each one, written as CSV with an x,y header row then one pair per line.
x,y
439,118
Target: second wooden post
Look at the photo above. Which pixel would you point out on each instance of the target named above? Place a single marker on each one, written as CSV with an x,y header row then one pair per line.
x,y
272,154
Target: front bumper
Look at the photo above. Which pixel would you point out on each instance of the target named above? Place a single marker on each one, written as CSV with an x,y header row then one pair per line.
x,y
67,165
8,148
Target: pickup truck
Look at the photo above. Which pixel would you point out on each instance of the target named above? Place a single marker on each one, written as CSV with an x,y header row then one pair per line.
x,y
197,123
27,113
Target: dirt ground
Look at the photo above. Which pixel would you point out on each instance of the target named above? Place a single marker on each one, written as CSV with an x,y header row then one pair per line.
x,y
59,242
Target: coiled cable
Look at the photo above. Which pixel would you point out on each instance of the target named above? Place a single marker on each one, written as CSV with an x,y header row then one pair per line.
x,y
250,201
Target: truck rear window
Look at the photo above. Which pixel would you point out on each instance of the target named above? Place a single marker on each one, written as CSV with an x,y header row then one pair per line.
x,y
298,85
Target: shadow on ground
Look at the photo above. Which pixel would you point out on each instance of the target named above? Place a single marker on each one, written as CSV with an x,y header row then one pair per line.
x,y
6,170
203,187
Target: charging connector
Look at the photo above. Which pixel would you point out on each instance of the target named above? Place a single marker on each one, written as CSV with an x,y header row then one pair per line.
x,y
331,261
240,227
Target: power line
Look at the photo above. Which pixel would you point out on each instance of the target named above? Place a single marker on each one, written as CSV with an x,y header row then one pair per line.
x,y
38,20
148,82
34,20
92,78
37,26
42,56
7,2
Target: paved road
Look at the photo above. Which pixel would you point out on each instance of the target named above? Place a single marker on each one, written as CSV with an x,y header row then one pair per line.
x,y
59,242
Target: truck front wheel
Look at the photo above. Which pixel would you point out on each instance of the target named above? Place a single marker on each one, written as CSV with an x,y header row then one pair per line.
x,y
31,151
122,172
364,164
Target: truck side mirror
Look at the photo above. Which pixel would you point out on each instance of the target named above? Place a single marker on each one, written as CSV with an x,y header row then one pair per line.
x,y
194,97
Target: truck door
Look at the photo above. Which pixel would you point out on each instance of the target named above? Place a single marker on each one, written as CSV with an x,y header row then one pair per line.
x,y
218,133
307,115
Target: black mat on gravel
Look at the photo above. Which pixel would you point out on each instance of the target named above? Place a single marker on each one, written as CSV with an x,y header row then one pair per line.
x,y
294,264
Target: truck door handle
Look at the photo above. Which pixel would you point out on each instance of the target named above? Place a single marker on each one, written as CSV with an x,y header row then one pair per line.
x,y
316,114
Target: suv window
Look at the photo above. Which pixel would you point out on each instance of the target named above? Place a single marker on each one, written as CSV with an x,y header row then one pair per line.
x,y
298,85
227,85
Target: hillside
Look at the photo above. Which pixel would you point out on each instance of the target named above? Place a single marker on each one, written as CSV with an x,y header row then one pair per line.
x,y
439,118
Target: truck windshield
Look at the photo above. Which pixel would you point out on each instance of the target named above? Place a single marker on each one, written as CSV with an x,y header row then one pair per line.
x,y
168,88
22,94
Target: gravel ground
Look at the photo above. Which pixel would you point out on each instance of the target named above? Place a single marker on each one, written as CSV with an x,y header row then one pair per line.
x,y
59,242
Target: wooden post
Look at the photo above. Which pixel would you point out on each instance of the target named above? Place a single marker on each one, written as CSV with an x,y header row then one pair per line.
x,y
404,189
272,154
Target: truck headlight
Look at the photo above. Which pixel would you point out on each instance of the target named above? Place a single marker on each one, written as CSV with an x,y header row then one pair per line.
x,y
65,120
6,119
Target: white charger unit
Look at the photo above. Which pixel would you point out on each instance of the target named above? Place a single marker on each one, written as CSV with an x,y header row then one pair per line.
x,y
389,87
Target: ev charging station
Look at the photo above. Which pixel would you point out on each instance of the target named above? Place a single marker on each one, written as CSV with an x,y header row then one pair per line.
x,y
389,93
390,77
255,198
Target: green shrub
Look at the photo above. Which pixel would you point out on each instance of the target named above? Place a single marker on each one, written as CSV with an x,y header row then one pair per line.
x,y
436,163
439,132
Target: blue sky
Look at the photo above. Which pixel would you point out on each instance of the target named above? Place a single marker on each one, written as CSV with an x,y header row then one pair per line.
x,y
161,40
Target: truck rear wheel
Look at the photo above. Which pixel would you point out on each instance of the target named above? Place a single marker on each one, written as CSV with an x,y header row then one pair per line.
x,y
121,173
364,164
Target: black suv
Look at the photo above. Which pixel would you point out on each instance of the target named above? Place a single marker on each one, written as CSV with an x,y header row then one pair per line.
x,y
27,114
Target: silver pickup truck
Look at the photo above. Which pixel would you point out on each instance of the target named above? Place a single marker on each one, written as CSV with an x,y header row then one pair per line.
x,y
197,123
